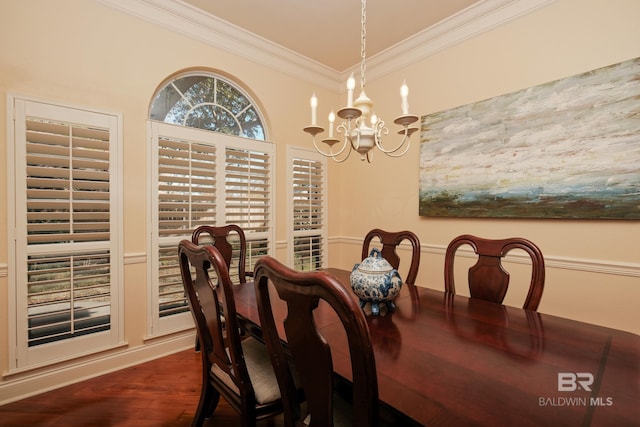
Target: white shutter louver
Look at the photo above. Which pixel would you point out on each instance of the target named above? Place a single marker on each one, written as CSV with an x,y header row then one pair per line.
x,y
186,186
186,199
248,198
247,189
171,297
68,295
308,213
67,183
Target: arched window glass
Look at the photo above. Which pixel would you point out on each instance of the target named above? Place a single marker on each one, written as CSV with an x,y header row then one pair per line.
x,y
208,102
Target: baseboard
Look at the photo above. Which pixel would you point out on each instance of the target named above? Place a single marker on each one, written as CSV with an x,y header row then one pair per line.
x,y
24,386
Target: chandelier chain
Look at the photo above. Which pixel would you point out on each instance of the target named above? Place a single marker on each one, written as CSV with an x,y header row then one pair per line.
x,y
362,129
363,45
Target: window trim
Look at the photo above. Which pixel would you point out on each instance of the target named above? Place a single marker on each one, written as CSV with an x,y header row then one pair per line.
x,y
23,358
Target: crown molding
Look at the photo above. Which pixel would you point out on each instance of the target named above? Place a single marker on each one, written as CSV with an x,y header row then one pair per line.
x,y
186,20
474,20
189,21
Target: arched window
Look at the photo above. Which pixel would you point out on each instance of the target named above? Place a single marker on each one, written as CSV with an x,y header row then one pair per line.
x,y
210,102
201,173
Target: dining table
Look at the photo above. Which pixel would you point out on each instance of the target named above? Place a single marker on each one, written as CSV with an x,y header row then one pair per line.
x,y
449,360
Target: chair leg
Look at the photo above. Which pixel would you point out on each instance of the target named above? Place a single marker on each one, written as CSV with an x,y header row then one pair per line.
x,y
247,417
209,398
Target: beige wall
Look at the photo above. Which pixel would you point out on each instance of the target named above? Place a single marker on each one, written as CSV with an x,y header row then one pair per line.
x,y
80,52
83,53
564,38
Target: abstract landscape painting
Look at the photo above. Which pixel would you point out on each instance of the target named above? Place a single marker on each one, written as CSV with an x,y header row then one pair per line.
x,y
565,149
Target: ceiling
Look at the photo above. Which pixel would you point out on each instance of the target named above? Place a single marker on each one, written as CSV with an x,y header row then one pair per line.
x,y
328,31
318,41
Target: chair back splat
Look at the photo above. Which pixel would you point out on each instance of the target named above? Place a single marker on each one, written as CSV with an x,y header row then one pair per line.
x,y
224,238
311,354
487,278
390,241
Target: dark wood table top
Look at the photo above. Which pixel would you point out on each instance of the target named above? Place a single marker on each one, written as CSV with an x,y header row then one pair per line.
x,y
450,360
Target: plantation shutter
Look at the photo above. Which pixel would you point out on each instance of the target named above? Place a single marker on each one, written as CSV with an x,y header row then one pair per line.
x,y
67,183
186,199
248,198
186,186
308,212
202,178
67,228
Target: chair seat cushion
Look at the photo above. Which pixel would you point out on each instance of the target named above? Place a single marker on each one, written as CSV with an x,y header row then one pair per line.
x,y
263,379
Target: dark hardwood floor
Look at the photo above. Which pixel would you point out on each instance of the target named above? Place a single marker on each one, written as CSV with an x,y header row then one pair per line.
x,y
163,392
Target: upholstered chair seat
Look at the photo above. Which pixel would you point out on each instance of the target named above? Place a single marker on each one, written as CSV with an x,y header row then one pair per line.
x,y
265,385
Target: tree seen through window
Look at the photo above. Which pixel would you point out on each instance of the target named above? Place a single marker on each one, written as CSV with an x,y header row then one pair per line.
x,y
210,103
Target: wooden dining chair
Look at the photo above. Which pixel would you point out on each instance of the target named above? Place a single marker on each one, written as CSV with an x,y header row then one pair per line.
x,y
310,353
224,238
238,369
487,278
390,241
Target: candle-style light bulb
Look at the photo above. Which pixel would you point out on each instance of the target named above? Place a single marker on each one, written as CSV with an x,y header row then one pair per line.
x,y
314,107
404,93
374,120
332,118
351,85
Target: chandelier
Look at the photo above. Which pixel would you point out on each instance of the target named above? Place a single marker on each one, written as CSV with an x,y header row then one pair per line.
x,y
361,129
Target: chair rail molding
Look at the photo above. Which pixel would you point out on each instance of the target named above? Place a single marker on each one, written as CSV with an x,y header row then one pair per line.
x,y
617,268
135,258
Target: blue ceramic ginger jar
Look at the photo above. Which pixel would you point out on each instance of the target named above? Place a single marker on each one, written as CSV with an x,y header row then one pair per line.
x,y
374,280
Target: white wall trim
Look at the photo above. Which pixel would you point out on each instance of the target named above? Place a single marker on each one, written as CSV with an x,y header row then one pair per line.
x,y
468,23
282,244
23,385
187,20
616,268
135,258
184,19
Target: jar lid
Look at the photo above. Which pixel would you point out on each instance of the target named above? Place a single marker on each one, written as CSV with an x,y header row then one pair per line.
x,y
375,263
